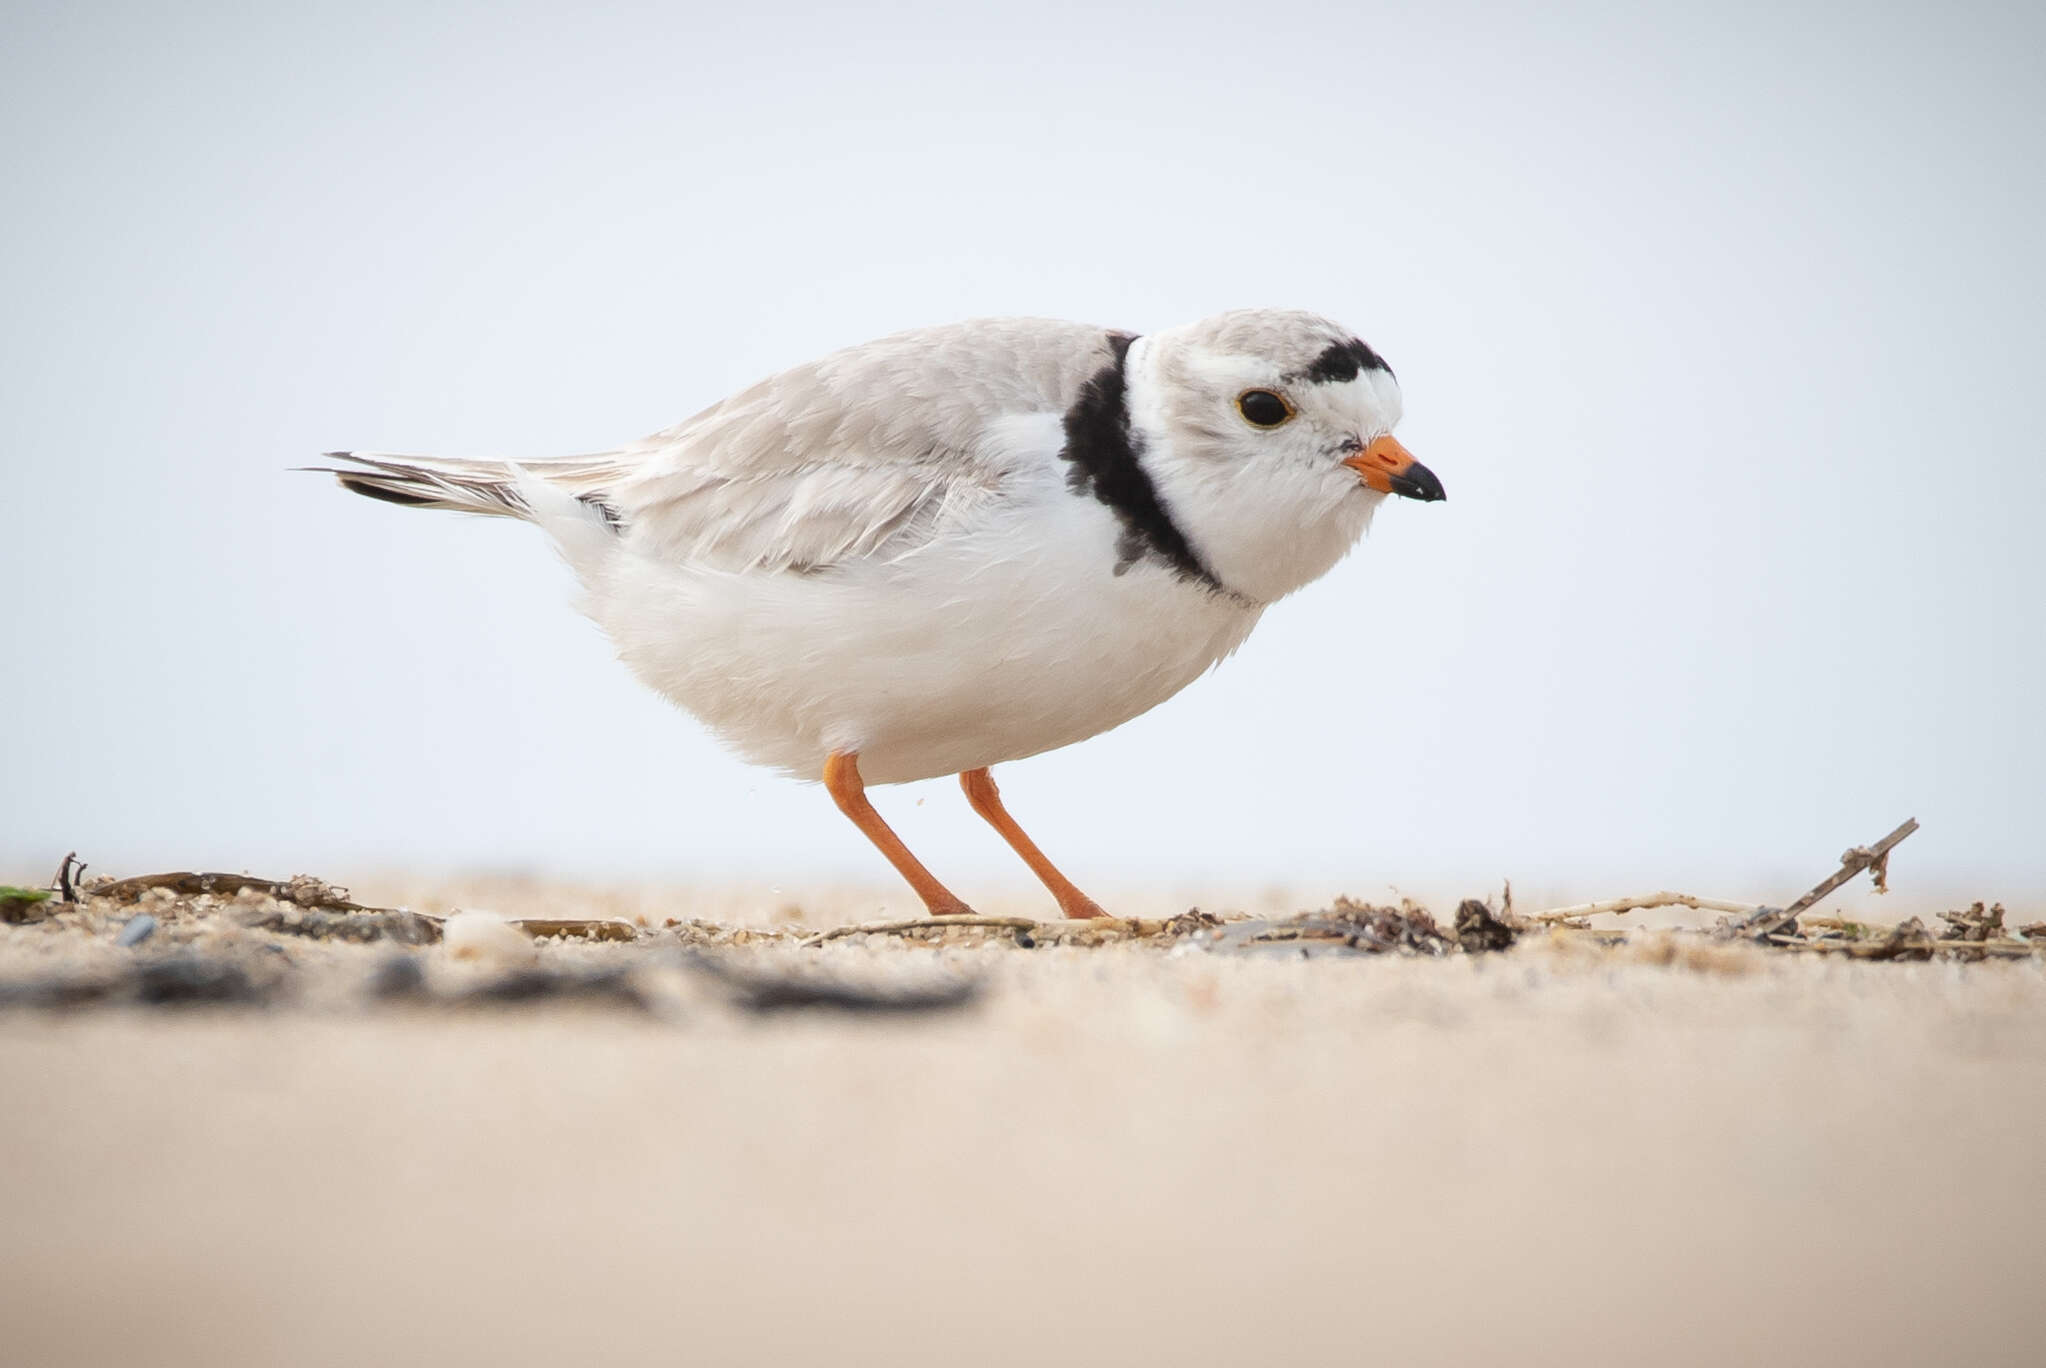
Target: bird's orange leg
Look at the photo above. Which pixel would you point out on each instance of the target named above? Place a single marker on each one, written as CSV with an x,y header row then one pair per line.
x,y
987,801
842,780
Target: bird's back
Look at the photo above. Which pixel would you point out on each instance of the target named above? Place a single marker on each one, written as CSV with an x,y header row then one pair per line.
x,y
870,450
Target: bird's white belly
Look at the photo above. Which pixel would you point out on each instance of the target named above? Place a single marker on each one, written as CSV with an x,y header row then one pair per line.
x,y
970,651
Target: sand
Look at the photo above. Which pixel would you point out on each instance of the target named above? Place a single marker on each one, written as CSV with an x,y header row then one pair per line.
x,y
1122,1154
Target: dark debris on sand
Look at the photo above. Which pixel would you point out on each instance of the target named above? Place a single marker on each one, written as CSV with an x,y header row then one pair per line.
x,y
1479,929
754,986
180,980
1344,928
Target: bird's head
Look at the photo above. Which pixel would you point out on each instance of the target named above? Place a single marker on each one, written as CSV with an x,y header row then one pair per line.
x,y
1269,433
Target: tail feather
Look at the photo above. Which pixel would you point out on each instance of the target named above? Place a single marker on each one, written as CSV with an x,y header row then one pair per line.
x,y
371,489
486,487
565,497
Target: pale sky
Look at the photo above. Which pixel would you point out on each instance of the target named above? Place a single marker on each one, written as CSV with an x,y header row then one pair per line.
x,y
1720,325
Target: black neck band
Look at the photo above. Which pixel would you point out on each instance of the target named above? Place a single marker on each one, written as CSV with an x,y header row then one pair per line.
x,y
1103,453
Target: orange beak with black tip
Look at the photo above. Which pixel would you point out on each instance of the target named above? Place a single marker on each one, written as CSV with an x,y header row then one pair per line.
x,y
1390,468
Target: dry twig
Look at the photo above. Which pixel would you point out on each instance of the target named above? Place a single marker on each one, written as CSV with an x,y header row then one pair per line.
x,y
68,875
1875,859
1643,901
889,928
1085,930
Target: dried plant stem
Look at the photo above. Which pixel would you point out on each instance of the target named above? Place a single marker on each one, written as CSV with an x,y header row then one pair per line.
x,y
884,928
1875,858
1645,900
69,874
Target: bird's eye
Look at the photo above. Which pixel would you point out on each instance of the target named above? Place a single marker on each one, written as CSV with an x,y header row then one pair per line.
x,y
1263,408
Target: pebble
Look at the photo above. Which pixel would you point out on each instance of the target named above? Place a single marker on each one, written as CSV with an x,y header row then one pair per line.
x,y
487,939
136,930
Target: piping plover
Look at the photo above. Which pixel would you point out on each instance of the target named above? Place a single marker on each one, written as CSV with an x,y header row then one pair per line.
x,y
961,545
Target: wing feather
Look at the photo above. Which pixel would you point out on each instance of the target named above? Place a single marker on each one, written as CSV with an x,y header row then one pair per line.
x,y
869,451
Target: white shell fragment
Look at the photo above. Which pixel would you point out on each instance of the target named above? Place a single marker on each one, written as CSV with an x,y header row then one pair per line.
x,y
486,938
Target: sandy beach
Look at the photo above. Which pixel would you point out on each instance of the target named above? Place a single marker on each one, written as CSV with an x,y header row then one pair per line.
x,y
1566,1152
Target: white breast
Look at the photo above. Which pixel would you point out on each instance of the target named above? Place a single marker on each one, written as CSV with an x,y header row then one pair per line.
x,y
1002,640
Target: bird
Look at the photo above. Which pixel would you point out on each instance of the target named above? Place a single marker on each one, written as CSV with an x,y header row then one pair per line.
x,y
961,545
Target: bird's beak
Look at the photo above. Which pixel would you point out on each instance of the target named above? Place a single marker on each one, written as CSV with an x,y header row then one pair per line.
x,y
1390,468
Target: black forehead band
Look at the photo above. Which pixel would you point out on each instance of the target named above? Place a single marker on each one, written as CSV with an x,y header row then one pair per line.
x,y
1343,361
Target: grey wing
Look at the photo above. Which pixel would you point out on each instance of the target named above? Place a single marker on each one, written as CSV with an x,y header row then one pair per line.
x,y
870,451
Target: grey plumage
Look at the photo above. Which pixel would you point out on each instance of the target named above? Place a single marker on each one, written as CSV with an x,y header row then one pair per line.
x,y
855,454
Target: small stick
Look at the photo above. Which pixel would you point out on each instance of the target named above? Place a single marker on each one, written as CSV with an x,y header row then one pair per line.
x,y
1645,900
920,924
1875,858
66,888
